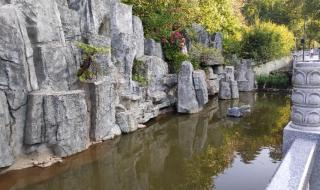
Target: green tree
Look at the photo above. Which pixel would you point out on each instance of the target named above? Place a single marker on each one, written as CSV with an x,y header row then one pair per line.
x,y
291,13
267,41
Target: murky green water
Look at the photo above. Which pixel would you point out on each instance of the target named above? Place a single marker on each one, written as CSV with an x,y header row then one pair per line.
x,y
201,151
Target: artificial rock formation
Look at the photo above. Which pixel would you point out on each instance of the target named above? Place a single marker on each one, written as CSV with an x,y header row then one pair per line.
x,y
202,36
6,156
212,82
228,86
245,76
46,108
192,89
103,110
153,48
59,120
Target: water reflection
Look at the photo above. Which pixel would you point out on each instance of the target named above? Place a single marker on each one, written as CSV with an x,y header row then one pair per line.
x,y
175,152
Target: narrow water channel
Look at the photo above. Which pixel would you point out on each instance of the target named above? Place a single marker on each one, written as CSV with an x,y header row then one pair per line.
x,y
201,151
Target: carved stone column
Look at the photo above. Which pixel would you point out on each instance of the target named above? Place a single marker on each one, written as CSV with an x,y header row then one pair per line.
x,y
305,117
306,96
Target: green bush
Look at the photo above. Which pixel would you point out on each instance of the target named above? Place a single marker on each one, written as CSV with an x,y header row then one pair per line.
x,y
172,49
159,16
267,41
175,58
278,81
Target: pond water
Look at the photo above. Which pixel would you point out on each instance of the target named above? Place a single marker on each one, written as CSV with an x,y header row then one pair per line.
x,y
201,151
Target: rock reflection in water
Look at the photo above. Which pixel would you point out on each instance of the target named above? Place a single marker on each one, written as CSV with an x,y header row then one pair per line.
x,y
175,152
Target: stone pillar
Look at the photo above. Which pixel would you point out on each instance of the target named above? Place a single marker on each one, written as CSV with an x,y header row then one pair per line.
x,y
305,114
306,96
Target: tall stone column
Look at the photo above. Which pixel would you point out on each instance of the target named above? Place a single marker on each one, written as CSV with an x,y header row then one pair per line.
x,y
305,114
306,96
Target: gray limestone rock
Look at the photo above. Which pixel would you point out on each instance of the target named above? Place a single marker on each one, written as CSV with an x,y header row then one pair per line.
x,y
234,90
154,69
123,54
170,80
103,110
229,73
213,87
70,20
38,65
6,149
217,41
228,87
147,111
130,101
35,124
50,51
51,67
212,82
123,42
234,112
225,90
202,34
238,111
187,99
17,72
121,19
200,86
228,90
158,96
115,131
43,20
126,122
245,76
16,64
139,36
64,123
152,48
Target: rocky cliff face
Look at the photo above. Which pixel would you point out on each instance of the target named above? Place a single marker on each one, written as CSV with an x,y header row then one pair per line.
x,y
44,108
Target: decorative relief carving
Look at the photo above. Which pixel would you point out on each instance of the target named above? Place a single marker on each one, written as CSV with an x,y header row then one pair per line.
x,y
313,99
307,97
306,116
299,78
306,76
313,78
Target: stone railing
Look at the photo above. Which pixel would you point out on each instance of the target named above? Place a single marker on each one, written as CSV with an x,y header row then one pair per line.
x,y
299,169
267,68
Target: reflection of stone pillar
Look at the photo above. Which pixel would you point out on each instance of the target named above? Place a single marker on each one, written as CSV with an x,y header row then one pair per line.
x,y
306,96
